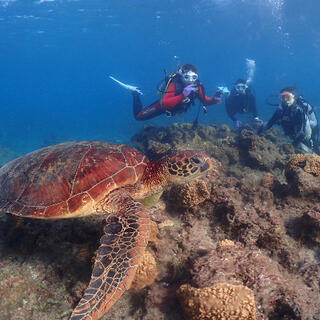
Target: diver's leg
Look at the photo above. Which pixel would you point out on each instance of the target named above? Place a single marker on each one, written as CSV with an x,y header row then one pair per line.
x,y
147,113
137,104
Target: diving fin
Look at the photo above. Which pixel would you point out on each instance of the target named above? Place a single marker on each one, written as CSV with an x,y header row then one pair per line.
x,y
127,86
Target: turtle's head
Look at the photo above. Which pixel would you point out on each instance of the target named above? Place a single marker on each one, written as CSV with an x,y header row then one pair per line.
x,y
186,165
180,167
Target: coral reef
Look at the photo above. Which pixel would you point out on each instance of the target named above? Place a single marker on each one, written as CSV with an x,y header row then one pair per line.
x,y
159,141
146,272
303,175
238,153
275,289
310,163
221,301
258,152
189,195
267,180
308,227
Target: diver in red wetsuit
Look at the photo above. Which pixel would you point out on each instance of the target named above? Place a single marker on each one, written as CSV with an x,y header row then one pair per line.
x,y
181,90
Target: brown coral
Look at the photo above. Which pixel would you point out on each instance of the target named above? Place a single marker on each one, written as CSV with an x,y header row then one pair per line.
x,y
158,148
222,301
308,228
258,152
310,163
274,289
191,194
146,272
225,243
267,180
302,173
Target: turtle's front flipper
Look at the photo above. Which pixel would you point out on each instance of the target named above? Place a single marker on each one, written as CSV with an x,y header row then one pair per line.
x,y
125,238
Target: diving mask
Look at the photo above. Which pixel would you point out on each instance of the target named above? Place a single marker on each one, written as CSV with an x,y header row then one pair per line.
x,y
189,77
241,88
287,97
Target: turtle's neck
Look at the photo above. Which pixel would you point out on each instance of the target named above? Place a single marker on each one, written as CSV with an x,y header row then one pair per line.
x,y
154,176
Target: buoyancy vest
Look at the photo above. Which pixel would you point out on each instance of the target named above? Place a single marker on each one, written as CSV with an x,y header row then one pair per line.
x,y
292,115
179,86
310,113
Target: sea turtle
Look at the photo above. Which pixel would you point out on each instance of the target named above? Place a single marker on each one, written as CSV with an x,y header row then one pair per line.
x,y
76,179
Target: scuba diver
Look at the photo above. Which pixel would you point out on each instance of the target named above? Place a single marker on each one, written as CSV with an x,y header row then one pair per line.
x,y
241,100
178,94
298,120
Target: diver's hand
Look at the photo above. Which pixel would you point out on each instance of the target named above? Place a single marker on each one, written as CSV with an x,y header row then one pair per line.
x,y
188,89
258,120
237,124
261,129
218,94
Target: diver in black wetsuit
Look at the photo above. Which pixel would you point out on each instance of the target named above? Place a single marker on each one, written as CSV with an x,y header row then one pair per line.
x,y
298,120
241,100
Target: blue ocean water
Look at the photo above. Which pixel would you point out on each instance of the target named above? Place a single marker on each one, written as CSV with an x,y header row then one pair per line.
x,y
56,56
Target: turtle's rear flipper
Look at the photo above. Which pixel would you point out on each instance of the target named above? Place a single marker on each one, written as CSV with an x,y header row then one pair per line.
x,y
122,246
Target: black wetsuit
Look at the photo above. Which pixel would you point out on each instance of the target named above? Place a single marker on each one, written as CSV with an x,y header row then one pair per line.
x,y
293,120
240,103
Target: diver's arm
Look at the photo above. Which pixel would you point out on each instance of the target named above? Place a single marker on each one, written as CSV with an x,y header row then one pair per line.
x,y
253,107
170,100
253,110
230,110
275,118
207,101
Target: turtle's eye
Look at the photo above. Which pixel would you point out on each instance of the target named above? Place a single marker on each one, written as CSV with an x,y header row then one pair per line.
x,y
197,159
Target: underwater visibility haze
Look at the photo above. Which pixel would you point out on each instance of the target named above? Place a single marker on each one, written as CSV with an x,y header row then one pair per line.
x,y
246,233
56,57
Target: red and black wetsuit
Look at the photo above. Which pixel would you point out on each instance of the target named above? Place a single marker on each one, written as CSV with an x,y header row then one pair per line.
x,y
173,101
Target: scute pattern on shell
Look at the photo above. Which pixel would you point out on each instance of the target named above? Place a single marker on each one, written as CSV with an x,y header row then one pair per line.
x,y
61,180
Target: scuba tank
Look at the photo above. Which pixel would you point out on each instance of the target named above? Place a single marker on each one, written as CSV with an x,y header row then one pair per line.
x,y
163,85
